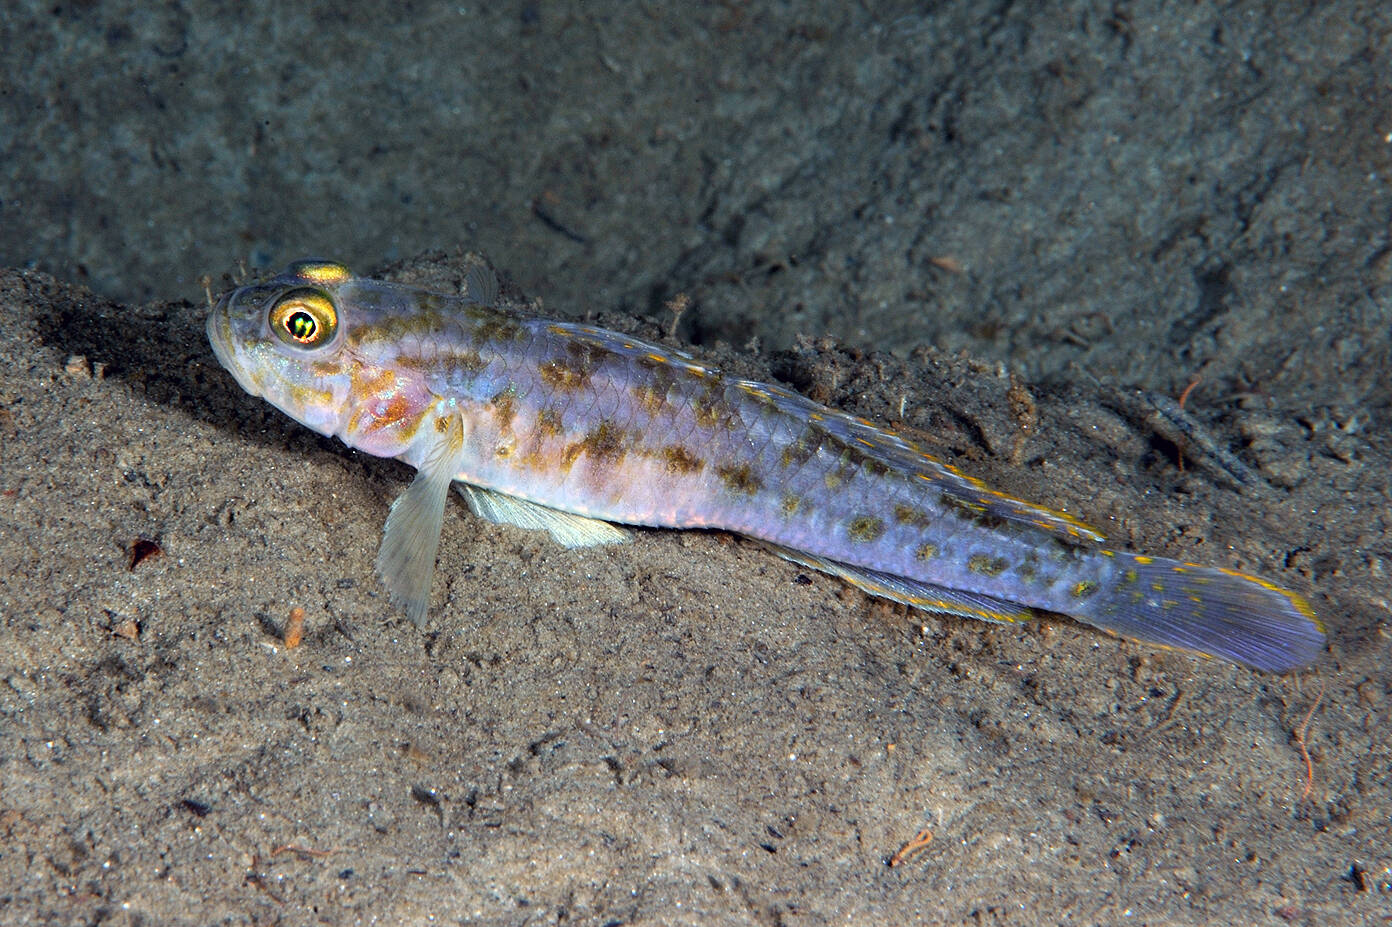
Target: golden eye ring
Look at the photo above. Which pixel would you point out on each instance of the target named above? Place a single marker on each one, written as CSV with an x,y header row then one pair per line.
x,y
304,318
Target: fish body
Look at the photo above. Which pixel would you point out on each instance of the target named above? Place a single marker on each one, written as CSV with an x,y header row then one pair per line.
x,y
571,428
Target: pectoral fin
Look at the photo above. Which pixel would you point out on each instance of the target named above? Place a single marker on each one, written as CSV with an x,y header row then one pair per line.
x,y
411,538
565,528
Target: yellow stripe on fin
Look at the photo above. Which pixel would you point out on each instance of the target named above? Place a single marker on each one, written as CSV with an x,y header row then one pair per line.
x,y
903,456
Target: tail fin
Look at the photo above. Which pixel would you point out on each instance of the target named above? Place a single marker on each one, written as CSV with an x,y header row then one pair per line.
x,y
1215,612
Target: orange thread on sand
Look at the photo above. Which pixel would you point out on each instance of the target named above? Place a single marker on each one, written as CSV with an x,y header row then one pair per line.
x,y
1299,736
916,845
1184,396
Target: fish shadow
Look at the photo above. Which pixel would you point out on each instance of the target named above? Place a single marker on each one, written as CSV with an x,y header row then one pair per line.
x,y
160,352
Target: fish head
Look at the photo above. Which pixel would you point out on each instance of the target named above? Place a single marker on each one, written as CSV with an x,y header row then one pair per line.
x,y
283,340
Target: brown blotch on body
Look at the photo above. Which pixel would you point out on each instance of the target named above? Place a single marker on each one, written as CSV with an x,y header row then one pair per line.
x,y
875,467
498,328
833,479
505,408
713,409
652,397
986,565
605,442
564,375
739,478
549,421
866,528
707,415
974,512
468,361
926,551
587,354
790,504
802,448
910,515
681,461
711,412
574,371
1083,589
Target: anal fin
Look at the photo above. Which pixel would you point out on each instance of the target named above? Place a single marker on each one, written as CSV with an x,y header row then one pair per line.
x,y
926,596
566,529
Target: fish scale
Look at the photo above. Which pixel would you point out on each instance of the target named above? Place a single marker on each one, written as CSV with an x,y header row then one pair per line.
x,y
569,428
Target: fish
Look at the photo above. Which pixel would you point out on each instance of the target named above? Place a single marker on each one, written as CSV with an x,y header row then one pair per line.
x,y
580,431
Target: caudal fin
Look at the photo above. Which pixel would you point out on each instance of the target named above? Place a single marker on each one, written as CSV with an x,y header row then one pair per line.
x,y
1212,611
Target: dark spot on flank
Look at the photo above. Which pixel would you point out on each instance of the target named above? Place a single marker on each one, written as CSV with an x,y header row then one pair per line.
x,y
564,375
498,328
875,467
652,397
1083,589
926,551
713,409
587,354
866,528
974,512
802,448
469,361
986,565
833,479
707,414
605,442
848,464
910,515
680,460
504,408
790,504
549,421
465,360
739,478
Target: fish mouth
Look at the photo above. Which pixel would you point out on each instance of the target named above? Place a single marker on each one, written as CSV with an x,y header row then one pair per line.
x,y
224,343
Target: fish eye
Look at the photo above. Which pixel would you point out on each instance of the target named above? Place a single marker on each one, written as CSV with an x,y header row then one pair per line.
x,y
304,318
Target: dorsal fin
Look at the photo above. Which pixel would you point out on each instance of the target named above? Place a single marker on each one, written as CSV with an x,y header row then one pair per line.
x,y
481,285
904,456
